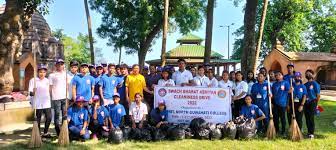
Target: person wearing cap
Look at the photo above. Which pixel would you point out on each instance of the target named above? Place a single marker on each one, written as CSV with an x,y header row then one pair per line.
x,y
138,112
58,86
83,85
212,78
313,97
117,112
290,75
152,80
92,70
40,98
108,85
182,77
260,94
280,91
135,83
118,70
159,115
201,80
165,79
73,71
121,88
159,70
299,95
78,118
99,119
145,71
97,78
105,68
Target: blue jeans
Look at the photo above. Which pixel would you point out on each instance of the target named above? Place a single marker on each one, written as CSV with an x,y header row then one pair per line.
x,y
74,132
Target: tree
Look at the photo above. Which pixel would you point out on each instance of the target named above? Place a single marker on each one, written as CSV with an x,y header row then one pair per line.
x,y
14,21
164,34
208,33
88,18
135,24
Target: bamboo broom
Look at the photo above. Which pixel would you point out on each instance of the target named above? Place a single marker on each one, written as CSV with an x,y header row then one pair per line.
x,y
270,133
294,129
63,138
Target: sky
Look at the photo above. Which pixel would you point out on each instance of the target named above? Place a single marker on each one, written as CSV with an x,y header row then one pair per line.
x,y
69,15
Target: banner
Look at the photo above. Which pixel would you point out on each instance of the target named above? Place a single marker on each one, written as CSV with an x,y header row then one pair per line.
x,y
186,103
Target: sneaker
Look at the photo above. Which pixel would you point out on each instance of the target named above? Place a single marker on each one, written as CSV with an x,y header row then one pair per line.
x,y
94,137
311,136
46,135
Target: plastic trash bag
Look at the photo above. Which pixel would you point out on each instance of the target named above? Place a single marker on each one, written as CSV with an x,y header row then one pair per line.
x,y
176,132
229,130
188,133
248,129
202,133
126,132
215,134
116,136
135,134
145,135
158,135
197,123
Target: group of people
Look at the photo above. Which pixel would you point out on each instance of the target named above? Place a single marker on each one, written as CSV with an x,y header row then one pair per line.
x,y
106,96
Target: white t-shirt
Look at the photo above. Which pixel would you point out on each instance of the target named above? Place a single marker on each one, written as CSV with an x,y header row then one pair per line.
x,y
58,82
250,84
138,112
182,77
70,77
240,87
201,81
42,95
169,82
226,85
213,83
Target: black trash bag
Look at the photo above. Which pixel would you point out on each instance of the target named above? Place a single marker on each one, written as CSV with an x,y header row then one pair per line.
x,y
145,135
188,133
126,132
176,133
202,133
197,123
211,126
239,120
215,134
116,136
248,129
229,130
183,125
158,135
135,134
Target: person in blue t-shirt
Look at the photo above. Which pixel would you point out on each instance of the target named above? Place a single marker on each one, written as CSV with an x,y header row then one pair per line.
x,y
83,85
290,75
78,120
99,119
97,77
251,111
159,115
107,85
260,94
313,97
117,112
299,95
280,90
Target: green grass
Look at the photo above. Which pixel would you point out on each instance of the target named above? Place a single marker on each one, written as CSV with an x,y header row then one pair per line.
x,y
325,139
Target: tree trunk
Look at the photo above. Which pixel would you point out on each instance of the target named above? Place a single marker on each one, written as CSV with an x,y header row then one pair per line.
x,y
164,35
10,43
248,55
208,33
88,18
261,30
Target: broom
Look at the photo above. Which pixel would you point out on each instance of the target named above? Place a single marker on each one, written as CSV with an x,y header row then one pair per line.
x,y
35,140
294,129
63,138
270,133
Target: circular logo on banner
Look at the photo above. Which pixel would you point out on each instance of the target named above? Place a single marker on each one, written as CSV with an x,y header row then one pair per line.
x,y
221,93
162,92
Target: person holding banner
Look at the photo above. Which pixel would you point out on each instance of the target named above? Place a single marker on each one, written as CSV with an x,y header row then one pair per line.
x,y
159,115
201,80
41,94
138,112
165,80
212,78
225,82
241,89
280,90
251,111
182,77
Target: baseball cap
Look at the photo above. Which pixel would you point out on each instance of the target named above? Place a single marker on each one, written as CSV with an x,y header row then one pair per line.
x,y
104,64
58,61
145,68
161,102
297,74
80,99
91,66
159,69
290,65
95,98
116,95
99,65
41,66
73,63
84,64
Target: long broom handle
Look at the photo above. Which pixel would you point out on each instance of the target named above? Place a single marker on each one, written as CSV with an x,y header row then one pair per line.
x,y
269,92
35,75
66,91
292,98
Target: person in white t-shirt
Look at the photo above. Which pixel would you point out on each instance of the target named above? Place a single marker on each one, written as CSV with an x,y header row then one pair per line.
x,y
182,77
73,71
212,78
40,98
250,80
225,83
165,80
138,112
241,89
58,88
201,80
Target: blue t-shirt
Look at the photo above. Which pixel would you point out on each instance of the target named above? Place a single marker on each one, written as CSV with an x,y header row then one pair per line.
x,y
299,91
280,92
116,114
102,114
259,94
313,89
96,84
158,116
77,116
288,78
122,90
251,111
108,84
83,85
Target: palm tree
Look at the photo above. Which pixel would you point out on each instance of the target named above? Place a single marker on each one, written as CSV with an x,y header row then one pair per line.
x,y
88,18
208,33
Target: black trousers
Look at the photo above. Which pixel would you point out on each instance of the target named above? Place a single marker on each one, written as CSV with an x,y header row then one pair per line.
x,y
279,116
237,105
97,129
309,112
47,114
298,115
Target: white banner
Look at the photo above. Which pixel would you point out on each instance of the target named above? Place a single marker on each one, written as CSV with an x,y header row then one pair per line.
x,y
186,103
